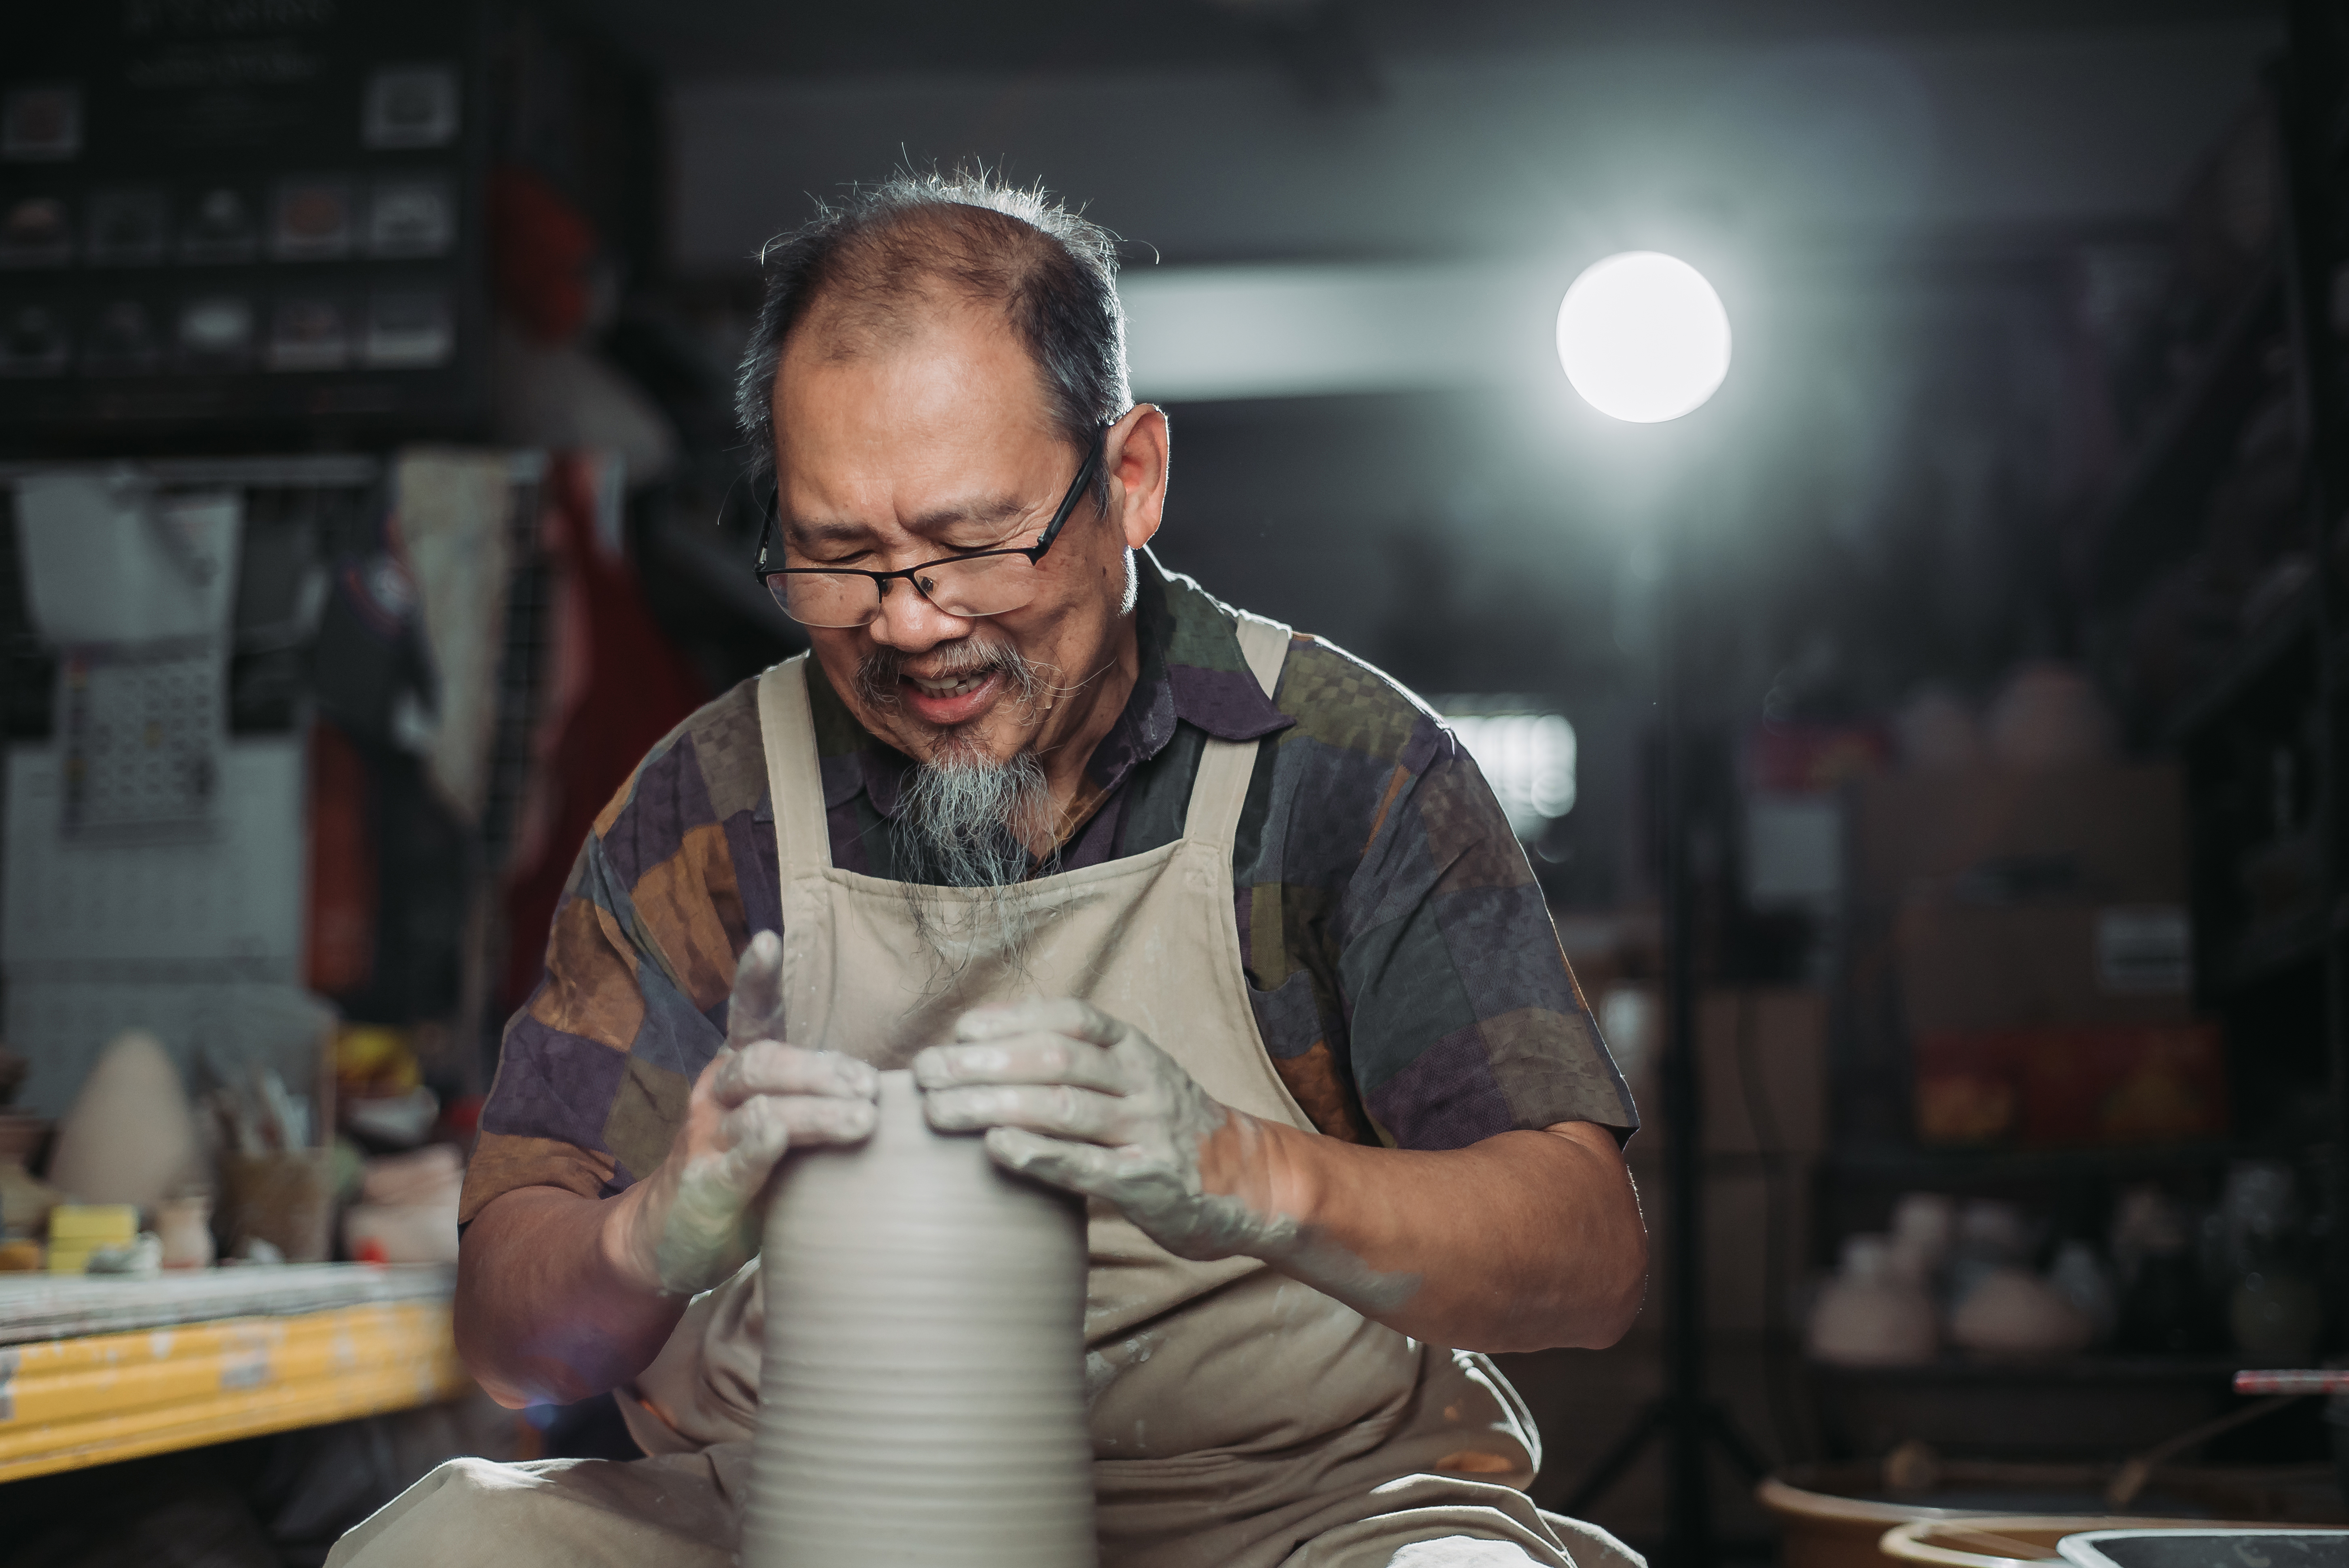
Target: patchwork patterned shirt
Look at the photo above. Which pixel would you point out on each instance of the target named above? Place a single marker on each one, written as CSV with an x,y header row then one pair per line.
x,y
1402,967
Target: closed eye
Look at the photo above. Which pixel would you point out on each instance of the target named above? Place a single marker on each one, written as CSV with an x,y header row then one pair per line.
x,y
1009,541
851,547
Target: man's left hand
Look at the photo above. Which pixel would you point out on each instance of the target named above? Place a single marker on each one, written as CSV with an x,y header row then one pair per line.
x,y
1076,1099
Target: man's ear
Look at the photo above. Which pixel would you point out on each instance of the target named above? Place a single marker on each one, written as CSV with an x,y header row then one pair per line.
x,y
1135,453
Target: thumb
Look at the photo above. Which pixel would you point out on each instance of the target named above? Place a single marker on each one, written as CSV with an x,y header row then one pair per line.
x,y
755,1010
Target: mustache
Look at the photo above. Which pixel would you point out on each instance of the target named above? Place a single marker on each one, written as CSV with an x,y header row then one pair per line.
x,y
880,672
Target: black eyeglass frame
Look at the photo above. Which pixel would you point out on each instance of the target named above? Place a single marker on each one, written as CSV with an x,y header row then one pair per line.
x,y
1034,553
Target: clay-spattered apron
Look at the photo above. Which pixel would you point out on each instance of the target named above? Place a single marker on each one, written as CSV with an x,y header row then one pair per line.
x,y
1239,1420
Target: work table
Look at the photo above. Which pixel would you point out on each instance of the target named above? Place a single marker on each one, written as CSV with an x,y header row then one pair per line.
x,y
94,1369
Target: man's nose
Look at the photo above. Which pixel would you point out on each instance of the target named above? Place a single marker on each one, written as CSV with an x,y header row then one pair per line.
x,y
910,624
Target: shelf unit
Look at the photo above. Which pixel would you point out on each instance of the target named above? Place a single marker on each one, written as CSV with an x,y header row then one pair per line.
x,y
2146,515
2259,726
2261,742
2261,735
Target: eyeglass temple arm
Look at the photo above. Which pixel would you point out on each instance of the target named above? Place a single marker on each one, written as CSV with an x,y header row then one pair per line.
x,y
1077,487
766,531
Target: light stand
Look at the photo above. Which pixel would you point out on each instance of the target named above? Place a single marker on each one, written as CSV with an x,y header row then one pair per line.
x,y
1644,339
1685,1419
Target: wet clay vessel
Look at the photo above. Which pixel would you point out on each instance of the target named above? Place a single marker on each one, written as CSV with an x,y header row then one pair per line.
x,y
922,1402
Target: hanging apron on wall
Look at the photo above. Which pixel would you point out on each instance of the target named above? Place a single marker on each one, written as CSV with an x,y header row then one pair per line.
x,y
1239,1420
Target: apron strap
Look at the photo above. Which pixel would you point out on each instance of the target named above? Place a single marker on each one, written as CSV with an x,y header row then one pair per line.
x,y
794,786
1221,789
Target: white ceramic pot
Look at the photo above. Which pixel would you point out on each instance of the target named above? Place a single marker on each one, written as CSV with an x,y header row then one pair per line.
x,y
2013,1313
1872,1313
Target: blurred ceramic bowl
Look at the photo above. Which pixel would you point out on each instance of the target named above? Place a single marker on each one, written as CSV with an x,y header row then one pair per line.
x,y
2013,1313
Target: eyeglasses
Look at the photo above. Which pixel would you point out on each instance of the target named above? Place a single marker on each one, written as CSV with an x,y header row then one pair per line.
x,y
975,582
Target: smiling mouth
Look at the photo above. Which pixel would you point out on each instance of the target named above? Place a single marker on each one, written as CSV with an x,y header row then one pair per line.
x,y
953,685
962,683
956,698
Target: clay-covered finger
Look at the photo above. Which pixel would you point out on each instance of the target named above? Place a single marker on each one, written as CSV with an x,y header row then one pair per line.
x,y
775,1067
755,1009
1056,1014
1057,1110
826,1119
1036,1057
779,1122
1083,1168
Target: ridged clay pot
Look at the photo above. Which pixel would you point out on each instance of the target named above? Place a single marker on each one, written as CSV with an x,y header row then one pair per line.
x,y
922,1402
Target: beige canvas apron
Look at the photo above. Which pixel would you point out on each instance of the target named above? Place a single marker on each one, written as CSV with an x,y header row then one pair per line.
x,y
1239,1420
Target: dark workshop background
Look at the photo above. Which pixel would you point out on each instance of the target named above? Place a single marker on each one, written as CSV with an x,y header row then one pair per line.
x,y
2008,592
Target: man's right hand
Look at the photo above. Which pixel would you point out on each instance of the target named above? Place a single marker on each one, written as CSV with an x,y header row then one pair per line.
x,y
695,1220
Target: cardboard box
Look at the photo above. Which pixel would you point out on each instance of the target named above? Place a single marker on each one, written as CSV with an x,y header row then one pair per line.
x,y
1970,967
2088,1085
2091,835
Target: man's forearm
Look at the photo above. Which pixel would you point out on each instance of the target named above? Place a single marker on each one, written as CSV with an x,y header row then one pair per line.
x,y
1527,1241
544,1312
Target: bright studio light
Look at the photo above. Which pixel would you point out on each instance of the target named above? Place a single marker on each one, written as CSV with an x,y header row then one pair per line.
x,y
1643,336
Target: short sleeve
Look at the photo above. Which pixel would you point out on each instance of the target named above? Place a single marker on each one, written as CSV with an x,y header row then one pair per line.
x,y
1464,1016
594,1071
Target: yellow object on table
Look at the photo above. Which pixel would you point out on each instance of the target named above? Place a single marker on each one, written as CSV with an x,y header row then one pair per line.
x,y
372,1058
289,1347
78,1230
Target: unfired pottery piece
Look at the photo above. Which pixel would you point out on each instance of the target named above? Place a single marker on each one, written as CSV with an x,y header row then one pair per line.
x,y
185,1226
2012,1313
1923,1224
130,1137
1872,1313
921,1403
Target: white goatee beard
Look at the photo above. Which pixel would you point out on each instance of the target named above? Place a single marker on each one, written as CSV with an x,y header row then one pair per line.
x,y
971,817
968,820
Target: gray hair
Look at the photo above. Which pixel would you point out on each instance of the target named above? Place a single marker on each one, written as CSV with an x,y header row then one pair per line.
x,y
1053,273
968,816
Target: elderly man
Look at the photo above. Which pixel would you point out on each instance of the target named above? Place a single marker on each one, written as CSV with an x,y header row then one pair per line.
x,y
1307,1023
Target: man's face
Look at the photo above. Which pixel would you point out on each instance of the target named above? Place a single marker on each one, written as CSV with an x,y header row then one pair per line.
x,y
941,441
